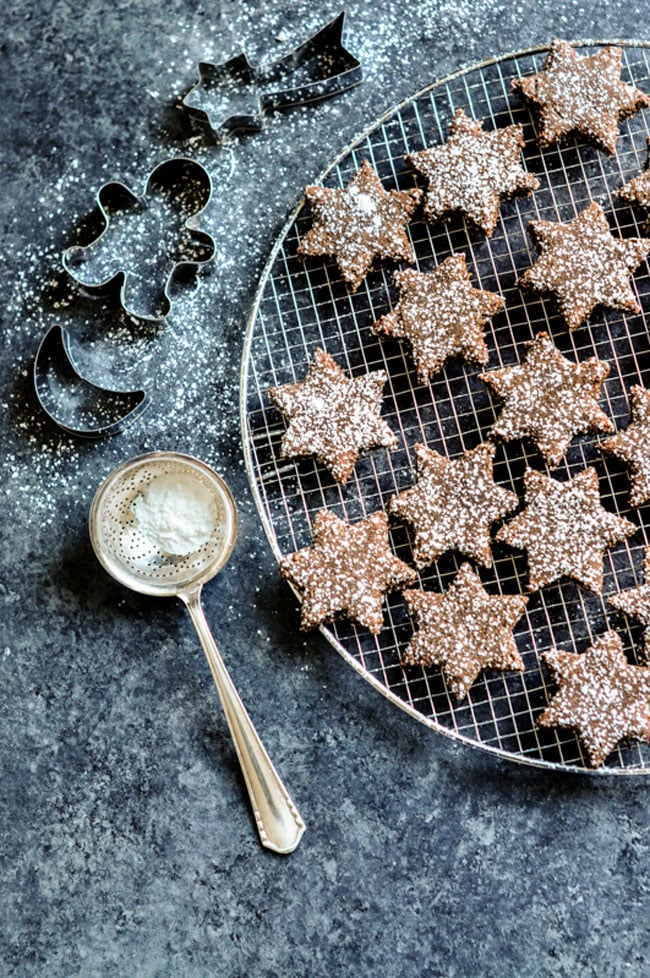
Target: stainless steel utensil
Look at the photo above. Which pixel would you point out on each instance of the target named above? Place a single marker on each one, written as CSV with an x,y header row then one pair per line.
x,y
140,564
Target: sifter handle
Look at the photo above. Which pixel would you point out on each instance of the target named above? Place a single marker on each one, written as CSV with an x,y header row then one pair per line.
x,y
278,820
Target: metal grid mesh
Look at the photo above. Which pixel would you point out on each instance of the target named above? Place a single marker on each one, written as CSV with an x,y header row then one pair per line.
x,y
302,305
130,552
138,556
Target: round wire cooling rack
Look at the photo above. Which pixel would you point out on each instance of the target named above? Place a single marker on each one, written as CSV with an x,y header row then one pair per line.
x,y
301,305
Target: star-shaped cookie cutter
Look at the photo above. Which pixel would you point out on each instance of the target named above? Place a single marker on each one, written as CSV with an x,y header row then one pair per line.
x,y
236,94
146,261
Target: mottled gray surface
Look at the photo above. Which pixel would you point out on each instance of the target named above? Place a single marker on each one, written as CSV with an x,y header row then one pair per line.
x,y
127,845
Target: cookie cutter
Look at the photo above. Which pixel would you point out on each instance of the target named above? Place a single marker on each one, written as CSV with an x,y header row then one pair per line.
x,y
236,94
73,402
176,193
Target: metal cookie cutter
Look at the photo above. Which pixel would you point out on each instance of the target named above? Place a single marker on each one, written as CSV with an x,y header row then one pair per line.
x,y
147,238
74,403
235,94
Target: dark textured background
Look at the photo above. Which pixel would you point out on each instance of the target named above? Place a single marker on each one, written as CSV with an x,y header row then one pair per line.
x,y
126,840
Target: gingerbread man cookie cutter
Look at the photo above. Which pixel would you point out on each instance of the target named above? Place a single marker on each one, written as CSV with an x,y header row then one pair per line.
x,y
147,238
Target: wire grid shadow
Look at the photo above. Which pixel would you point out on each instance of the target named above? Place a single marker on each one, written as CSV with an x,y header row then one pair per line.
x,y
302,305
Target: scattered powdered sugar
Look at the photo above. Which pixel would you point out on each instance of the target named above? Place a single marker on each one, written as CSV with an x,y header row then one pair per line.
x,y
189,366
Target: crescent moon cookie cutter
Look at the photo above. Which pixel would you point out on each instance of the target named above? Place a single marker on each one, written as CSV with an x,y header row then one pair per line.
x,y
73,402
235,94
147,238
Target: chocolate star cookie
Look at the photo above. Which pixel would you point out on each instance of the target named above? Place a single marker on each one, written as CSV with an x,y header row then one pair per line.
x,y
584,95
333,416
633,446
441,315
347,570
359,224
637,190
564,529
635,602
453,504
464,630
473,172
583,265
549,399
601,696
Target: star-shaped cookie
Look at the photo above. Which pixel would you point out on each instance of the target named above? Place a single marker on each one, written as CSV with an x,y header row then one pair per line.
x,y
464,630
441,315
473,172
633,446
549,399
333,416
347,570
453,504
585,95
637,190
564,529
583,265
635,602
601,696
359,224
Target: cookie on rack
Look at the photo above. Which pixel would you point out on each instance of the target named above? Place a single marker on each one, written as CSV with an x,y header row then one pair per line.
x,y
635,602
632,445
453,504
358,224
464,631
548,398
333,416
580,94
601,696
637,190
473,172
347,570
564,529
582,265
440,315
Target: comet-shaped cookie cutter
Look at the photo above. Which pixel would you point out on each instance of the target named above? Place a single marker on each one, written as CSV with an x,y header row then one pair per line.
x,y
74,403
144,261
236,94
